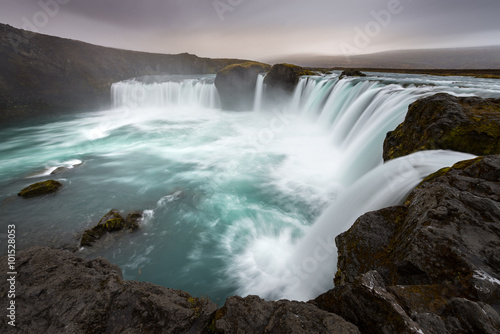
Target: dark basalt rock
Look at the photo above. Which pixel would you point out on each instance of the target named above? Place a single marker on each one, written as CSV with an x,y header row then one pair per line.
x,y
350,72
111,222
58,292
283,78
236,85
433,260
254,315
443,121
40,188
367,303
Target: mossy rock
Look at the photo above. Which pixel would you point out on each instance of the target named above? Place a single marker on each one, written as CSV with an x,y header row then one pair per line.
x,y
285,77
111,222
438,249
443,121
40,188
236,85
350,72
133,219
249,65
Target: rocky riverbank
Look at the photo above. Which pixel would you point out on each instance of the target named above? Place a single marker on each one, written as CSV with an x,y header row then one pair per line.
x,y
429,265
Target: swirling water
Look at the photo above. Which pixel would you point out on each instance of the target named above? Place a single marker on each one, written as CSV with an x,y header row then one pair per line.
x,y
236,202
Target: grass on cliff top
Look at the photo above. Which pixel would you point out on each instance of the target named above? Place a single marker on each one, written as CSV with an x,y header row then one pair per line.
x,y
246,65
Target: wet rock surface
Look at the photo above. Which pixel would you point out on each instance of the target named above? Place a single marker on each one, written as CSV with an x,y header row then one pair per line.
x,y
111,222
236,85
431,264
255,315
283,78
58,292
40,189
443,121
351,73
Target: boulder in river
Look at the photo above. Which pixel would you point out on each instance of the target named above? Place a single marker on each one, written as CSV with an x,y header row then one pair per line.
x,y
284,78
236,85
111,222
40,188
350,72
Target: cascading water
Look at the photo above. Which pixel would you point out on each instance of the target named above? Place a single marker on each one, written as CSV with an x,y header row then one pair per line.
x,y
259,92
236,202
196,92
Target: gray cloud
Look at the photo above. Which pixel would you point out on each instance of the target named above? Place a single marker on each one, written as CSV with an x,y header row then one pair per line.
x,y
259,28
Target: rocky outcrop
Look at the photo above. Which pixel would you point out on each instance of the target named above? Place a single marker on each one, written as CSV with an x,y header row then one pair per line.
x,y
443,121
430,265
111,222
255,315
350,72
58,292
40,189
41,74
283,78
236,85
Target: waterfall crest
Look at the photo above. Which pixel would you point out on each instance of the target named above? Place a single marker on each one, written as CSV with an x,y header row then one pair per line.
x,y
197,92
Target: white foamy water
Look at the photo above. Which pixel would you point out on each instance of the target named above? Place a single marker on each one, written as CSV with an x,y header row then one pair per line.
x,y
237,202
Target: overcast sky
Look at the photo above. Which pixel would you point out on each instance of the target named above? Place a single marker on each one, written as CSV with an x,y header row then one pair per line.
x,y
258,29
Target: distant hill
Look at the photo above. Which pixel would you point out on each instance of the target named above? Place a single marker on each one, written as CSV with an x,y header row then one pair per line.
x,y
42,74
458,58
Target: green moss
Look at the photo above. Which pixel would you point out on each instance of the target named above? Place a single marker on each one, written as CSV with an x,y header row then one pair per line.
x,y
443,171
111,222
217,316
467,163
435,175
427,126
195,305
298,69
246,65
40,188
114,224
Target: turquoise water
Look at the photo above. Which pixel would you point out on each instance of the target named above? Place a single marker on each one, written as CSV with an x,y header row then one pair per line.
x,y
229,197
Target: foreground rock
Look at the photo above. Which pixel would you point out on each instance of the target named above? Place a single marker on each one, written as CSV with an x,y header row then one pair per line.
x,y
236,85
40,188
351,73
57,292
430,265
254,315
443,121
111,222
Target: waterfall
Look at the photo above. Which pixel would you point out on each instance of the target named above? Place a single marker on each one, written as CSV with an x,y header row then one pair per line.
x,y
303,269
259,92
357,113
330,127
198,92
